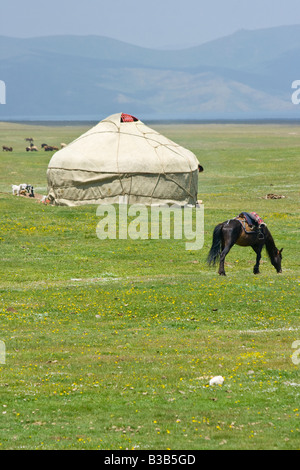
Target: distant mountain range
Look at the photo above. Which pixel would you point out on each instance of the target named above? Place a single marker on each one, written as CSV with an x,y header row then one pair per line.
x,y
245,75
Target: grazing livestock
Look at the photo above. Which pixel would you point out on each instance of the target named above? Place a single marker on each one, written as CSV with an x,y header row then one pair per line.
x,y
239,231
23,189
19,189
6,149
15,189
62,145
50,148
30,190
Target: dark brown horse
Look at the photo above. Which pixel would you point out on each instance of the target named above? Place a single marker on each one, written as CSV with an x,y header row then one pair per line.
x,y
233,232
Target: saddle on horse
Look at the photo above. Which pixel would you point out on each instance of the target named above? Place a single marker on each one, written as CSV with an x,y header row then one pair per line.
x,y
251,223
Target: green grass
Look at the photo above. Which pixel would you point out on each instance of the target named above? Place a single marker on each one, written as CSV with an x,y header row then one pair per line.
x,y
110,344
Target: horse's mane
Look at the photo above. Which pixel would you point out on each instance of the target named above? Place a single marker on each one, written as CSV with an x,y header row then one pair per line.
x,y
270,244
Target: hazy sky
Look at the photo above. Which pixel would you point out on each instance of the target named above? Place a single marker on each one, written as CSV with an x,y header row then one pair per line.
x,y
147,23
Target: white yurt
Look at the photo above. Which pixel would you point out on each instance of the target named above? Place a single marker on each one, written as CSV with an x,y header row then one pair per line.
x,y
122,159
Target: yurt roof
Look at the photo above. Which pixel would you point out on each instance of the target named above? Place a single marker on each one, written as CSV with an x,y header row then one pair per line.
x,y
124,144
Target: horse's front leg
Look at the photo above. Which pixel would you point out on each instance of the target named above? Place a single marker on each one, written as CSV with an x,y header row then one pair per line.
x,y
258,258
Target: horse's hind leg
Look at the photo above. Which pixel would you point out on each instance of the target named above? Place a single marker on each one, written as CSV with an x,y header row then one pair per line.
x,y
225,252
229,237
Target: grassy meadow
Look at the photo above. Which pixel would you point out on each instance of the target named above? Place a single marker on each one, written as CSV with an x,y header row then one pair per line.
x,y
110,344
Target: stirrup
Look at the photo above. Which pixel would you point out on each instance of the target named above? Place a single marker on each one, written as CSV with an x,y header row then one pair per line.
x,y
261,236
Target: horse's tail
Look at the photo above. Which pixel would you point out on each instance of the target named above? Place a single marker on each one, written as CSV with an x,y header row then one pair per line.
x,y
216,247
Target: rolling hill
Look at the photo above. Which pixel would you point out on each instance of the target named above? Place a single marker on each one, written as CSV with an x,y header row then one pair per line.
x,y
245,75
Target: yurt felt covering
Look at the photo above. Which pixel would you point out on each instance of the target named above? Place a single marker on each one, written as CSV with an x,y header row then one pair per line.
x,y
121,159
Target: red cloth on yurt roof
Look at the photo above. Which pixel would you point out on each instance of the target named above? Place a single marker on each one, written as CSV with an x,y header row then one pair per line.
x,y
128,118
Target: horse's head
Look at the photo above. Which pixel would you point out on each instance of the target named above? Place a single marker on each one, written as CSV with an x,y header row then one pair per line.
x,y
277,260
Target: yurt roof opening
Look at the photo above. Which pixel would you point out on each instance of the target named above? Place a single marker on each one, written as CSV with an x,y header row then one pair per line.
x,y
122,157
